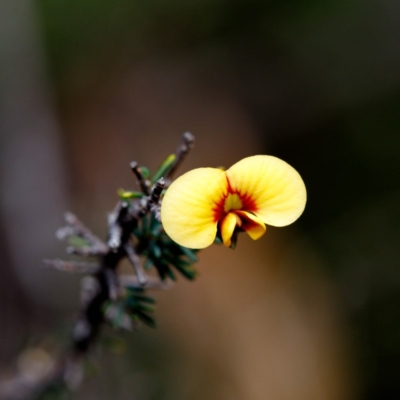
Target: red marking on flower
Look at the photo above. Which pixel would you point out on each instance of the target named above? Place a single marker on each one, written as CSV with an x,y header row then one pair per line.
x,y
218,209
248,203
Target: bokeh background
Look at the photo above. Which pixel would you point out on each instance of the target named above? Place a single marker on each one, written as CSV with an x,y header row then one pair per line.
x,y
310,311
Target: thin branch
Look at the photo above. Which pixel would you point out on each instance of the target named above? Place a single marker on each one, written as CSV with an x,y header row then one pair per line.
x,y
23,386
142,181
115,229
155,194
112,283
82,231
149,203
136,264
72,266
102,284
90,288
185,145
125,321
82,251
131,281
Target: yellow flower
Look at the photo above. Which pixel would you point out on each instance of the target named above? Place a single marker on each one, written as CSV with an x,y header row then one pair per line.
x,y
255,191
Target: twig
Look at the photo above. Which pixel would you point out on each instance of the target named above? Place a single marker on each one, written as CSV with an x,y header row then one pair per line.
x,y
112,283
102,285
136,264
131,281
149,203
124,319
155,194
82,251
143,182
185,145
72,266
79,229
114,225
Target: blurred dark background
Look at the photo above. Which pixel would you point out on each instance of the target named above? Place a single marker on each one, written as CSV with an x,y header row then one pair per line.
x,y
310,311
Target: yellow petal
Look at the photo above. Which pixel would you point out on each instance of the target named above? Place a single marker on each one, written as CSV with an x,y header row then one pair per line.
x,y
188,208
227,226
252,224
270,188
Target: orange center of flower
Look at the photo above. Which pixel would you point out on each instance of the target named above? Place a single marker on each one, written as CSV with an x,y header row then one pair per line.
x,y
236,210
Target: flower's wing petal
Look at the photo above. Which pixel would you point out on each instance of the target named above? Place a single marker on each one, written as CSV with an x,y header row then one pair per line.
x,y
270,187
188,208
252,224
227,226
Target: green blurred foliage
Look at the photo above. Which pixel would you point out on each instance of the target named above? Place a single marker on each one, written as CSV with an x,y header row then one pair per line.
x,y
88,31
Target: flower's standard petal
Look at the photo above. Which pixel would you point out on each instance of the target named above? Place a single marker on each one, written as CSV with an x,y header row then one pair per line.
x,y
188,207
227,226
270,188
252,224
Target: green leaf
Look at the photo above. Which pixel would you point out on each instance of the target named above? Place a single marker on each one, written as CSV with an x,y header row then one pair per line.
x,y
144,299
126,195
77,241
136,306
119,317
218,240
186,269
162,269
145,172
155,250
189,253
148,264
164,167
147,319
234,240
155,226
171,274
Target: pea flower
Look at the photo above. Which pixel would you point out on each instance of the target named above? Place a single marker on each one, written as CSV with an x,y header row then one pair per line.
x,y
256,191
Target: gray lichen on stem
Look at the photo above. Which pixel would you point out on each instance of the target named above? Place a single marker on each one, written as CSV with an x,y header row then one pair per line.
x,y
133,230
